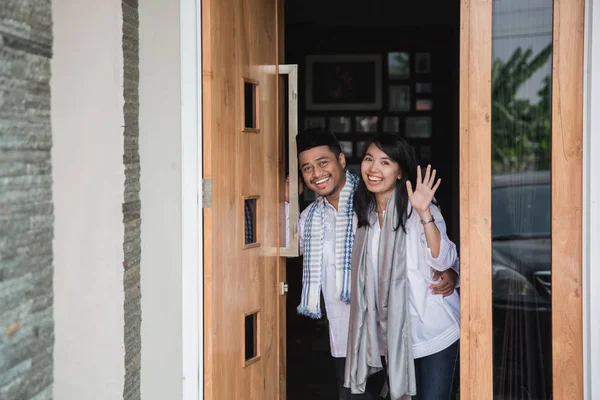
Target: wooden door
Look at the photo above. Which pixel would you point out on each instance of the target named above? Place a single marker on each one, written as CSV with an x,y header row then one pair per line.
x,y
521,288
240,152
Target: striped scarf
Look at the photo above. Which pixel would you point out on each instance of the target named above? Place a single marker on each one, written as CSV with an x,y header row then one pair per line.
x,y
313,249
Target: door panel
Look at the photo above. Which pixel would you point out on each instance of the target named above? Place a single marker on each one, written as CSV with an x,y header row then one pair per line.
x,y
240,144
521,196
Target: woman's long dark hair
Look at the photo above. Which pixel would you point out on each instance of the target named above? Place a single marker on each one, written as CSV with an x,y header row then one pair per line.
x,y
399,151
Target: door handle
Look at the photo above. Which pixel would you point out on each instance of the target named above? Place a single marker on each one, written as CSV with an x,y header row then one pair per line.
x,y
291,70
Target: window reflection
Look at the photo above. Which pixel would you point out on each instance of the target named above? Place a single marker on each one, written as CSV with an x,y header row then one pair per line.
x,y
521,199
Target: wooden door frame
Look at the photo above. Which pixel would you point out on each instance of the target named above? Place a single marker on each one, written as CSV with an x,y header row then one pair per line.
x,y
567,198
475,171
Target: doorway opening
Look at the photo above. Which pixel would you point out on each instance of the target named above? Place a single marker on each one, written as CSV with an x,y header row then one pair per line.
x,y
406,60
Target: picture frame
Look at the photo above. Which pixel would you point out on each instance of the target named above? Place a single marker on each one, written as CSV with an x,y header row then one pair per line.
x,y
314,122
341,124
423,63
366,124
398,65
391,124
424,105
418,127
343,82
399,98
423,87
347,148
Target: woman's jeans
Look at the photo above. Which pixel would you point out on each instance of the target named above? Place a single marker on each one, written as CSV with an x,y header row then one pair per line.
x,y
437,374
437,377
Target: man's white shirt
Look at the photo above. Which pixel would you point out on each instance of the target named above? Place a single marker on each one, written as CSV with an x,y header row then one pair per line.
x,y
338,313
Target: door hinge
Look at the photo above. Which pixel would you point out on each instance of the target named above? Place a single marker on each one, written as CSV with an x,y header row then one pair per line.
x,y
206,193
284,288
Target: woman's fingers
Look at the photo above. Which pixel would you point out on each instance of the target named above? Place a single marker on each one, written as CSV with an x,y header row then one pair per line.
x,y
432,179
427,175
409,189
428,180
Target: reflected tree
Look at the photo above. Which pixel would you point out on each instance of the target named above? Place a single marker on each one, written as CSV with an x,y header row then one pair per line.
x,y
520,130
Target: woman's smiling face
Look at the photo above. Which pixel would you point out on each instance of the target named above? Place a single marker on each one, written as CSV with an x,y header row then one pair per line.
x,y
379,171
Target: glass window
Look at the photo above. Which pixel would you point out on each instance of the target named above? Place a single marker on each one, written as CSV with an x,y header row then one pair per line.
x,y
521,199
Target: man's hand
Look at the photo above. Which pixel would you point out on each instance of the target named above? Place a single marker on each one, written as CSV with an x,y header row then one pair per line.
x,y
447,282
287,189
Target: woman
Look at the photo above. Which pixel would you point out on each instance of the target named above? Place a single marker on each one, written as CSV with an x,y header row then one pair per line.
x,y
400,244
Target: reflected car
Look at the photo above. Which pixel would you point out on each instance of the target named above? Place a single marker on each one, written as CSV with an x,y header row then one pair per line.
x,y
522,285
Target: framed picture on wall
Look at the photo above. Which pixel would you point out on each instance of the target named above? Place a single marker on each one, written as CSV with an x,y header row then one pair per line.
x,y
314,122
391,124
340,124
417,127
399,98
423,63
398,65
423,87
347,148
343,82
424,105
366,124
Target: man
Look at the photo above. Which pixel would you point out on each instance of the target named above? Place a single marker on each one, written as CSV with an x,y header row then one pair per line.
x,y
326,234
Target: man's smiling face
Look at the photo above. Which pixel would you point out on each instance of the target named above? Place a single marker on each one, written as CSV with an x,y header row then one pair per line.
x,y
322,170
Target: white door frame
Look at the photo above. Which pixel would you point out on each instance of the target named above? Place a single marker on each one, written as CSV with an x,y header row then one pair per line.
x,y
591,202
191,185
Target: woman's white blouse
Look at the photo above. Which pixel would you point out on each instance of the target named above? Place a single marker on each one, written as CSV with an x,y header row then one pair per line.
x,y
435,319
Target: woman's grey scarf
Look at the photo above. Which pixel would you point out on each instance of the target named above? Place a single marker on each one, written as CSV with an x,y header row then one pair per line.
x,y
364,356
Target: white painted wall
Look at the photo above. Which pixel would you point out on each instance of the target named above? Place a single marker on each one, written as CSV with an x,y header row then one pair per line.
x,y
88,173
161,197
592,201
